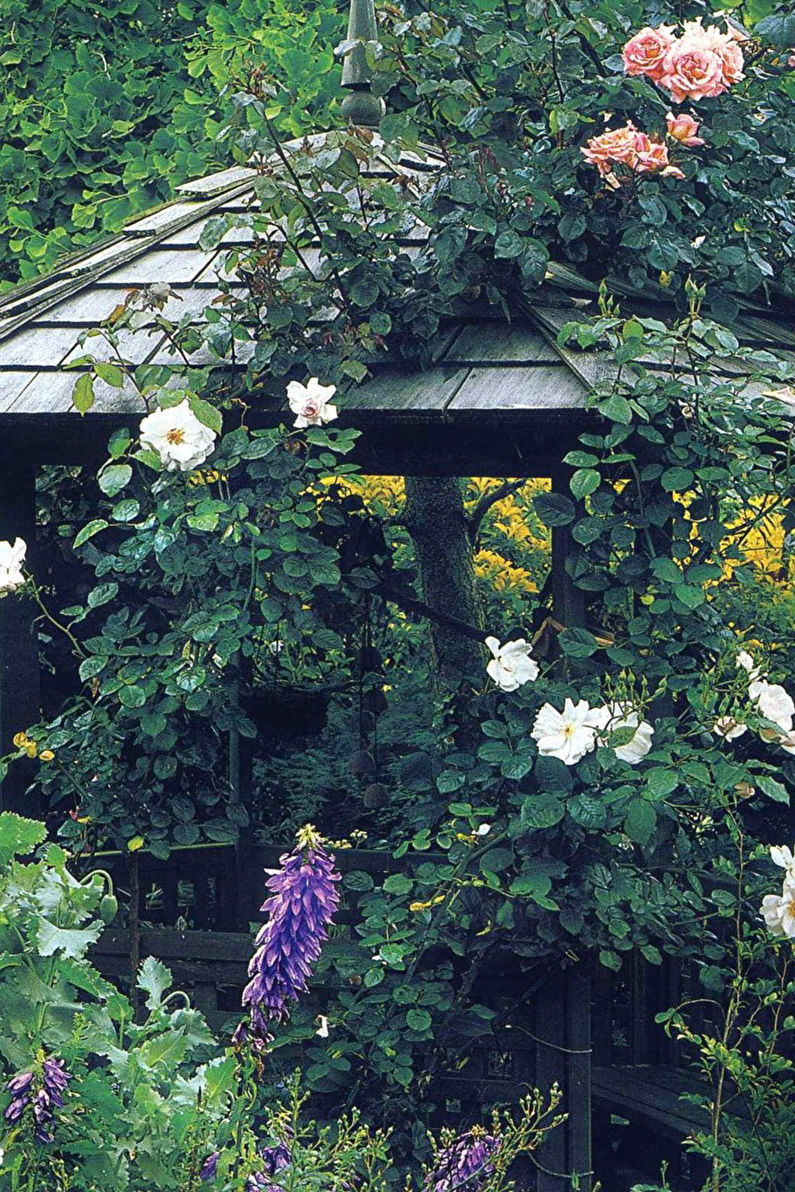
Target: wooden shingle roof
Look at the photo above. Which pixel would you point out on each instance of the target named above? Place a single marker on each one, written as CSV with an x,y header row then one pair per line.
x,y
497,390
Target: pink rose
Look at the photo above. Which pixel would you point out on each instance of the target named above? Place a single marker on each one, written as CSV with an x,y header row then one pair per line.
x,y
644,54
692,71
617,145
653,158
631,148
652,155
732,58
683,128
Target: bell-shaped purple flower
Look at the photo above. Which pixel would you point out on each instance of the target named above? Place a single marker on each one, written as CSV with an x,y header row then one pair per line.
x,y
48,1095
259,1182
209,1167
20,1087
300,908
465,1163
275,1158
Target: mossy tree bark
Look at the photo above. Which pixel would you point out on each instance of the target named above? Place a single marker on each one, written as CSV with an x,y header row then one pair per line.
x,y
434,517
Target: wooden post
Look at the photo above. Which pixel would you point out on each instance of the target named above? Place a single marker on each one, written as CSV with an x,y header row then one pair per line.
x,y
563,1013
19,660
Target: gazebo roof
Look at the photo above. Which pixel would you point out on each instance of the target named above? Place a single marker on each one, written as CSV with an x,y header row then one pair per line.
x,y
496,392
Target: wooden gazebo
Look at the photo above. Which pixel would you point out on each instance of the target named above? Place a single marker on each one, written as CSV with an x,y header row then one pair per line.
x,y
502,399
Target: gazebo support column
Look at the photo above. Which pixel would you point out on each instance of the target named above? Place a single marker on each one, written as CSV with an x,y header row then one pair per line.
x,y
563,1007
19,661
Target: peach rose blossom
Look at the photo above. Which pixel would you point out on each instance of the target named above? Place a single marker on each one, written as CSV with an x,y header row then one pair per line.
x,y
683,128
732,58
692,71
617,145
653,158
644,54
630,147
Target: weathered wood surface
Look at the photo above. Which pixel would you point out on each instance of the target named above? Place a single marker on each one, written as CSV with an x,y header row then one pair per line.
x,y
651,1095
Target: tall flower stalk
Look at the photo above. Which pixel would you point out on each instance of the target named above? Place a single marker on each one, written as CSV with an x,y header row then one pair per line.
x,y
465,1163
299,911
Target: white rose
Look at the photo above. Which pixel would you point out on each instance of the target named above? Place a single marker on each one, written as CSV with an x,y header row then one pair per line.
x,y
620,716
745,662
729,728
310,402
778,910
11,560
511,665
178,437
570,734
775,704
781,855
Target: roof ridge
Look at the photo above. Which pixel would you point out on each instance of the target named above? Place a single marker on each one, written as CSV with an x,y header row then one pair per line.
x,y
67,279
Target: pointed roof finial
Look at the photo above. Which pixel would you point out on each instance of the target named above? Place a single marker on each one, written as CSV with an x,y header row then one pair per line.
x,y
361,106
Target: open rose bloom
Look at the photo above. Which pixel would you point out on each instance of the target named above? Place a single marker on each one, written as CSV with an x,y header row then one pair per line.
x,y
311,403
180,439
700,64
644,54
631,148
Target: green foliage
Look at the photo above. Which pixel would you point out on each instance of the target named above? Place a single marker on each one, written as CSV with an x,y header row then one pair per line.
x,y
738,1027
103,112
191,583
149,1099
144,1097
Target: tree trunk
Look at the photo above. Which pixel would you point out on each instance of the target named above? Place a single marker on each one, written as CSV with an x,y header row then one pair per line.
x,y
434,517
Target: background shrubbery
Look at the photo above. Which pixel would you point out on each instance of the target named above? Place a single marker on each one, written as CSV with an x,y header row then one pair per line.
x,y
106,107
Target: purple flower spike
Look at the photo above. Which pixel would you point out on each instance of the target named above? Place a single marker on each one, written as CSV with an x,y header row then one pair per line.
x,y
209,1167
54,1081
465,1163
299,909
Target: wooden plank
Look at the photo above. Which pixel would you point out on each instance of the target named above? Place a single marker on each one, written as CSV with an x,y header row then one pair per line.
x,y
190,236
578,1040
645,1094
770,332
215,184
167,217
12,384
506,390
136,346
51,393
506,343
96,303
550,1031
19,659
34,346
160,265
592,366
122,249
396,392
